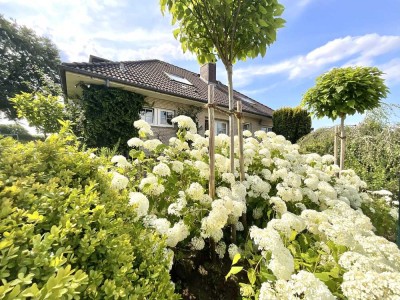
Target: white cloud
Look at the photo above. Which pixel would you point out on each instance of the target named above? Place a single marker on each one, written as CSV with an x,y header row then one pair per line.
x,y
118,30
359,50
392,71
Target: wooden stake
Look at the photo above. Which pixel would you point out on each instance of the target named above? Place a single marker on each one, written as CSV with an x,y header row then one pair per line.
x,y
211,153
211,146
342,143
241,157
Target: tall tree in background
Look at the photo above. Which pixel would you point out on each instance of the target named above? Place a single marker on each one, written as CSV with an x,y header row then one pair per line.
x,y
28,63
345,91
230,30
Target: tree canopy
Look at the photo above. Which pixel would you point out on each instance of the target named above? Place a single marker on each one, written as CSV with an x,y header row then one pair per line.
x,y
225,29
346,91
41,111
28,63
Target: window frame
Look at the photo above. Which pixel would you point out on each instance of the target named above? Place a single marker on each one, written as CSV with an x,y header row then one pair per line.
x,y
147,109
160,110
221,122
207,125
266,128
247,124
157,116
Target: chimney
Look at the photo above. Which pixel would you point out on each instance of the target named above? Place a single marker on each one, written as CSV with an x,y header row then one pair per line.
x,y
208,72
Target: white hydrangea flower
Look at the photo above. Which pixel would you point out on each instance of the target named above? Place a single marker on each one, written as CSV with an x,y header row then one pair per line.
x,y
121,161
186,123
247,133
203,169
140,201
220,249
119,181
228,178
177,166
233,250
279,205
135,142
178,144
195,191
162,170
197,243
161,225
177,233
144,128
239,226
151,145
150,186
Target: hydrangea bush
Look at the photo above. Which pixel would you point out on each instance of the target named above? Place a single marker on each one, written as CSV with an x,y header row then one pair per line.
x,y
307,238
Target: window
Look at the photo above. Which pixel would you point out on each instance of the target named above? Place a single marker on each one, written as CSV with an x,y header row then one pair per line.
x,y
266,128
246,126
220,126
147,114
166,117
157,116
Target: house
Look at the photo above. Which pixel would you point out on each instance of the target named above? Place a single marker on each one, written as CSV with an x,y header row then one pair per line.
x,y
167,90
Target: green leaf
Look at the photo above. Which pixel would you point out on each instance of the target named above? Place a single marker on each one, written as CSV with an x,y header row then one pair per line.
x,y
233,271
262,23
236,259
323,276
251,275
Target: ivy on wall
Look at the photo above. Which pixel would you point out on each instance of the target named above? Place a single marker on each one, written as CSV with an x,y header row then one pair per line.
x,y
108,115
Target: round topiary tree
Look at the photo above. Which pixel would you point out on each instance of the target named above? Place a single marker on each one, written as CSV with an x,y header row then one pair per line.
x,y
345,91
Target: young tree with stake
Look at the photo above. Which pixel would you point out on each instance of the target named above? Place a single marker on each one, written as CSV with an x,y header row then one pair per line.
x,y
345,91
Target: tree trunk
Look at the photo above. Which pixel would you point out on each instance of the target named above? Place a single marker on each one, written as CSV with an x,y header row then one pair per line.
x,y
335,144
211,153
231,118
342,142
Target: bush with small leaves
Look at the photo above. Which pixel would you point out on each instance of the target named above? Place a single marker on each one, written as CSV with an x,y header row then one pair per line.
x,y
66,233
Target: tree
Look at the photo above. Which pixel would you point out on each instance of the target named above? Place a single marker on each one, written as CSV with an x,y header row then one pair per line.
x,y
28,63
292,123
41,111
226,29
345,91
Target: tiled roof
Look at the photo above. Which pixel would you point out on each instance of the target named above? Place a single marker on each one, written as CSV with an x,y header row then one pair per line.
x,y
151,75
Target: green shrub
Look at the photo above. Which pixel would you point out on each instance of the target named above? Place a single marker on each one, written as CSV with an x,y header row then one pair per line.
x,y
65,233
292,123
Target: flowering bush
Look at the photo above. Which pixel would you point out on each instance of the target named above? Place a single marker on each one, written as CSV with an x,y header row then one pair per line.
x,y
308,236
66,234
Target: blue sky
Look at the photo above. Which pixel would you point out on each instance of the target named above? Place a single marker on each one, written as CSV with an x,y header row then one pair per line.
x,y
318,36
